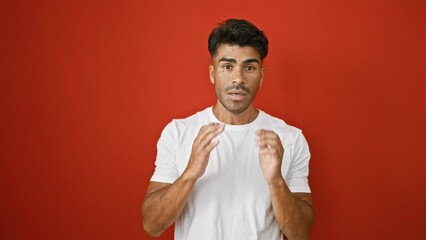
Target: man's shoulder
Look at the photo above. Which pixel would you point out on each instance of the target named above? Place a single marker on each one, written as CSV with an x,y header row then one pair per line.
x,y
196,120
280,127
274,122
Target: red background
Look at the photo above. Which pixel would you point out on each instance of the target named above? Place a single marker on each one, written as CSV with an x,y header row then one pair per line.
x,y
87,86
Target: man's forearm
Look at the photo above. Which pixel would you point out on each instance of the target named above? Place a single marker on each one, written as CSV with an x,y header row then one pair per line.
x,y
164,204
294,215
162,207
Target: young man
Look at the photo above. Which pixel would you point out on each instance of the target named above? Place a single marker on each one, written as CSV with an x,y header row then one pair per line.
x,y
231,171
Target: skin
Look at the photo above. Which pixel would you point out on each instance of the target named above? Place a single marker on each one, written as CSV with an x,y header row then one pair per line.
x,y
236,69
237,74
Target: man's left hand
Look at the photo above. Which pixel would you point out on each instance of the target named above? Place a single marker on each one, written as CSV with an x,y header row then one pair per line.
x,y
271,153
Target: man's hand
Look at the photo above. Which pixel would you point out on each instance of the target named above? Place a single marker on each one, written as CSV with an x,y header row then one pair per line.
x,y
271,153
201,148
164,202
293,211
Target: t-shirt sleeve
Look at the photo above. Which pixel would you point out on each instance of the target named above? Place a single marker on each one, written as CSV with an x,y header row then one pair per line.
x,y
165,164
297,178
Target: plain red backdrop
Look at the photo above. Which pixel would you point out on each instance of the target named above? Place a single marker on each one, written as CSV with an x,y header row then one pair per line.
x,y
87,86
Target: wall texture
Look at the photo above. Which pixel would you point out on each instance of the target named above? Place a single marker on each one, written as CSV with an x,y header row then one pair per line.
x,y
87,86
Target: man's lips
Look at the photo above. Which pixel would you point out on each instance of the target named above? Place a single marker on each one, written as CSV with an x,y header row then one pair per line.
x,y
237,95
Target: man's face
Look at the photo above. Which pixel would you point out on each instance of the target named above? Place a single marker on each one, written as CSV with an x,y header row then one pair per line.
x,y
237,74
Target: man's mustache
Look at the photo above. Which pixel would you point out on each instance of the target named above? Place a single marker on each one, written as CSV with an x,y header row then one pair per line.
x,y
237,87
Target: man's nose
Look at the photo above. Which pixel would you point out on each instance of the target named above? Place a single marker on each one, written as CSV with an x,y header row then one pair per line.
x,y
238,77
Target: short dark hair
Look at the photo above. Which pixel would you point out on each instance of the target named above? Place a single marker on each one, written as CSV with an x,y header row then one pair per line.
x,y
238,32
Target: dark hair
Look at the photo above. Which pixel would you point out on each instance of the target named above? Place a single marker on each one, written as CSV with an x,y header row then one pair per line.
x,y
240,32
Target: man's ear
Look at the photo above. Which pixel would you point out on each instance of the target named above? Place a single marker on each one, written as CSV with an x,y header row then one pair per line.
x,y
263,74
211,71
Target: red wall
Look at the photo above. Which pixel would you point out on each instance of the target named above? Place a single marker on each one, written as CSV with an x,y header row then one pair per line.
x,y
87,86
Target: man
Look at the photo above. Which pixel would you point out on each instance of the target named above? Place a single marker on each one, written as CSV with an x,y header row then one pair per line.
x,y
231,171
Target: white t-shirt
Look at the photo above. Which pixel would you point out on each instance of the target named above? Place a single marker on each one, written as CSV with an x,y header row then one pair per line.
x,y
232,199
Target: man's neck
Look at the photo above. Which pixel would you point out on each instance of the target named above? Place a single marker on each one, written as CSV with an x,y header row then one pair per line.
x,y
223,115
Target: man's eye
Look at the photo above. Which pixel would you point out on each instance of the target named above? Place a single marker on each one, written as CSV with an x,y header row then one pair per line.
x,y
227,66
250,68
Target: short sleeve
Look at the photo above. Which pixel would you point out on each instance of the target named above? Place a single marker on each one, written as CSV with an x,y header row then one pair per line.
x,y
165,164
297,178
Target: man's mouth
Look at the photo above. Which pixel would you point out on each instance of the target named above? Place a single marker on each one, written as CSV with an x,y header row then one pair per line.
x,y
237,95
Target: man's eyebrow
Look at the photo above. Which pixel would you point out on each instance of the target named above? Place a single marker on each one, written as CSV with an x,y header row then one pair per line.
x,y
251,60
224,59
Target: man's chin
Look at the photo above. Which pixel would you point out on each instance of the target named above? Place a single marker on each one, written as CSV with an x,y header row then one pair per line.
x,y
236,109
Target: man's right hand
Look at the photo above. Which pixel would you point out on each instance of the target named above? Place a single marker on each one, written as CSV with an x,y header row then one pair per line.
x,y
164,202
201,148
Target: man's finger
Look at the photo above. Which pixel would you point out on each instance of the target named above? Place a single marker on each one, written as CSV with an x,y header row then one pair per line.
x,y
266,139
212,145
207,133
206,129
211,135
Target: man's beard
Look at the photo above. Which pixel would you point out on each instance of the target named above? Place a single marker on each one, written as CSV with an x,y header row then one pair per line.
x,y
241,107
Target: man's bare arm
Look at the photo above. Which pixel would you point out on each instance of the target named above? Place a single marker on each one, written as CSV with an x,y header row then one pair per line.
x,y
293,211
164,202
